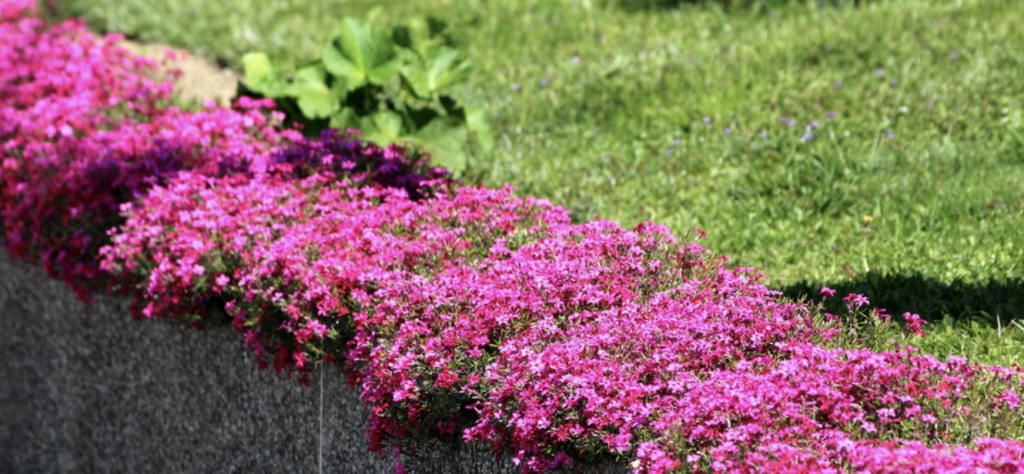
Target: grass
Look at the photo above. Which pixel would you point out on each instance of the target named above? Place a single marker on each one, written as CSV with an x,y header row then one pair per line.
x,y
912,193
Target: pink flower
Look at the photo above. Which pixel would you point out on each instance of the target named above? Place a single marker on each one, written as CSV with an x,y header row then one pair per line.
x,y
913,323
828,292
1010,398
857,299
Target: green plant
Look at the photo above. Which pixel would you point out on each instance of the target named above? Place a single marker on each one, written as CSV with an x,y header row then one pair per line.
x,y
392,87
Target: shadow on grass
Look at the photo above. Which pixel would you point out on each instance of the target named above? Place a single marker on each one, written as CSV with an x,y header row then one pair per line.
x,y
761,5
994,302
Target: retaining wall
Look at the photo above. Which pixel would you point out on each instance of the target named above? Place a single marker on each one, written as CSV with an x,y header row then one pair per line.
x,y
87,389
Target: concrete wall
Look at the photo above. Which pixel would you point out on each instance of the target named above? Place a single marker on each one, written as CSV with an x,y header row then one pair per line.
x,y
87,389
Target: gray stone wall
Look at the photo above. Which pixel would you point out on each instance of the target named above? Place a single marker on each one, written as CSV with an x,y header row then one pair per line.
x,y
86,389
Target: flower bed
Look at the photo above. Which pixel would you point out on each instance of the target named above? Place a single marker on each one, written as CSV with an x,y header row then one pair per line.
x,y
459,311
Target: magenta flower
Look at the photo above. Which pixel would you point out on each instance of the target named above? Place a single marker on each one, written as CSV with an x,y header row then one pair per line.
x,y
913,323
1010,398
827,292
857,299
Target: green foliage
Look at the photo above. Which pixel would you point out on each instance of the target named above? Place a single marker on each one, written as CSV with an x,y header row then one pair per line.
x,y
394,87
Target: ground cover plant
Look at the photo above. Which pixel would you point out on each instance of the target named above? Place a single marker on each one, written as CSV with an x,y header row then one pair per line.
x,y
468,311
84,127
873,148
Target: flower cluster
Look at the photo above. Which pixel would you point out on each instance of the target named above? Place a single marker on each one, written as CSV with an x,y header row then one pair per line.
x,y
596,339
393,166
83,129
286,256
461,311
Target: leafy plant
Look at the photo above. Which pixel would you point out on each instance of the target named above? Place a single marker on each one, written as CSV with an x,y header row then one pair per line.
x,y
394,87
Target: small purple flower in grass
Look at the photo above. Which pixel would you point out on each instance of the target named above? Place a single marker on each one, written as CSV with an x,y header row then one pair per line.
x,y
575,59
807,137
516,87
931,104
763,134
791,122
831,114
827,292
676,143
893,83
954,54
707,119
889,134
668,152
838,84
728,131
879,72
544,81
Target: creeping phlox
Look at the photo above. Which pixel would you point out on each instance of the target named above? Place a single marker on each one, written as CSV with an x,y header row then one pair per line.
x,y
460,311
83,130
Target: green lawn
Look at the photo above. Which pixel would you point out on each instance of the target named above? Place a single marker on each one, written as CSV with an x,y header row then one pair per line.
x,y
695,116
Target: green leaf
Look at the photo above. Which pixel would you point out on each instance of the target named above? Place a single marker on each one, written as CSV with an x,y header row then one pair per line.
x,y
422,34
313,76
314,98
416,78
479,122
415,35
361,53
382,128
388,125
257,66
344,119
452,107
445,67
316,103
420,118
260,76
445,139
442,68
